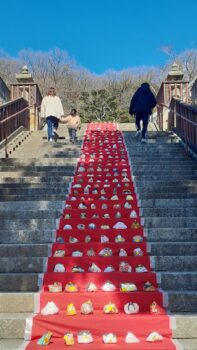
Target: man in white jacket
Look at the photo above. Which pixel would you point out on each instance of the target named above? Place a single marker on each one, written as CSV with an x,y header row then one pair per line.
x,y
51,110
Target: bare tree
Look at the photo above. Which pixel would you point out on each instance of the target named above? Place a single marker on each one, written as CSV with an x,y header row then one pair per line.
x,y
8,67
169,51
188,60
48,68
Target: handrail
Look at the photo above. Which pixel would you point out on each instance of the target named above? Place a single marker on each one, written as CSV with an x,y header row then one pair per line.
x,y
180,115
8,103
182,119
18,118
13,115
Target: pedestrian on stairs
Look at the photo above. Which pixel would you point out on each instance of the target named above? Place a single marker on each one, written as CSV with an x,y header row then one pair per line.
x,y
52,110
142,103
73,123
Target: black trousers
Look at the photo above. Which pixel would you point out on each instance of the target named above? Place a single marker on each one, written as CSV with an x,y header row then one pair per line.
x,y
145,119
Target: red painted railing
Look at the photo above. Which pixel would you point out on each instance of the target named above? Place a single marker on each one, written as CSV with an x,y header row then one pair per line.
x,y
183,120
13,114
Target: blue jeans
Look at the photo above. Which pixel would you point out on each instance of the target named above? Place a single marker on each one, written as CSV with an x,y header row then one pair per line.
x,y
52,122
145,118
72,134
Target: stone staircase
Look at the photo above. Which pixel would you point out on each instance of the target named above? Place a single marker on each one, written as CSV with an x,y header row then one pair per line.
x,y
33,187
166,181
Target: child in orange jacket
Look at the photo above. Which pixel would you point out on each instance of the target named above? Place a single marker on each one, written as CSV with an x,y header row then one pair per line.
x,y
73,123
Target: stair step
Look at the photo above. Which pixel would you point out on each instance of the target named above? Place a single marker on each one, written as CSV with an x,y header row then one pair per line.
x,y
37,162
27,236
180,281
171,212
36,264
168,203
177,234
164,170
39,169
167,222
42,250
165,183
31,206
176,263
7,188
19,282
10,344
172,195
173,248
22,265
27,181
30,214
165,177
24,250
173,163
188,344
18,302
183,301
34,191
178,302
32,172
166,189
39,197
156,155
170,281
32,224
7,344
12,325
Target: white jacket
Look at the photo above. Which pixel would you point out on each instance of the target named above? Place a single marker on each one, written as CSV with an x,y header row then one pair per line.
x,y
51,106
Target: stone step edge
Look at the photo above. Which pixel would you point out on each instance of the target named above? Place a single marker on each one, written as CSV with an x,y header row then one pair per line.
x,y
149,244
181,344
11,344
36,301
28,327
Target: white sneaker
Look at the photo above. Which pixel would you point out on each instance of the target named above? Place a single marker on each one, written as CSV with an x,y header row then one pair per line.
x,y
138,132
50,140
143,140
55,134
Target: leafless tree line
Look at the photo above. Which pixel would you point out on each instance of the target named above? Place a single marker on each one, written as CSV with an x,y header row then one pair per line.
x,y
56,68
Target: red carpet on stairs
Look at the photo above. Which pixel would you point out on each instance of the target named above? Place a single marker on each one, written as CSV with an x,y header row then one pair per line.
x,y
100,239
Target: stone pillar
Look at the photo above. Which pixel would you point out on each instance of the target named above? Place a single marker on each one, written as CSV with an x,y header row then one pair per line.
x,y
27,89
173,86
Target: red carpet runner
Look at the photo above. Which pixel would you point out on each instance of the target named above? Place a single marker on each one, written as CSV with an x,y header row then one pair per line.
x,y
100,234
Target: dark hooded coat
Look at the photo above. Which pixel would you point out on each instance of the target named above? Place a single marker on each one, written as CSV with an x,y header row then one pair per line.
x,y
143,100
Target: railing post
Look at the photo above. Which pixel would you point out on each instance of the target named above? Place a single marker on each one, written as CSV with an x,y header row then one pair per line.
x,y
6,148
174,115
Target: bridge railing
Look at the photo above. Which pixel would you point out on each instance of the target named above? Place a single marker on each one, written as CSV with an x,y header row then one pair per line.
x,y
13,114
182,119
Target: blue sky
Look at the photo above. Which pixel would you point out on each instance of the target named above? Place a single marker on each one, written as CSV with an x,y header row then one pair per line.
x,y
100,34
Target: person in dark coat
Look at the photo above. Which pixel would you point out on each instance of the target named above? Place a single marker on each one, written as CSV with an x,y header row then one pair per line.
x,y
142,103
